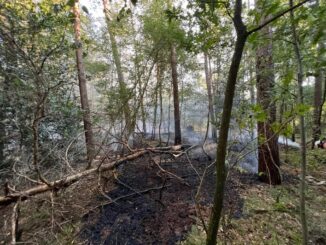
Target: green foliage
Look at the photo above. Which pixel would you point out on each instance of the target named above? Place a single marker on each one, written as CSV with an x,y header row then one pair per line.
x,y
301,109
259,113
161,24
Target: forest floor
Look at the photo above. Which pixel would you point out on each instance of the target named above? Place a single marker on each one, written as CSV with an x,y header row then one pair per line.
x,y
142,203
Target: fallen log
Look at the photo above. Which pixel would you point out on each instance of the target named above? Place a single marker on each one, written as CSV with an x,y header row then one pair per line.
x,y
69,180
65,182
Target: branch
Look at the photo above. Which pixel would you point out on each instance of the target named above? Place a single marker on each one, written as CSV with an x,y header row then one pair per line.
x,y
69,180
276,17
65,182
50,53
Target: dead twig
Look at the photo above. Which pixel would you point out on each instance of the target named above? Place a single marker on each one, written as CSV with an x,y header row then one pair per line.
x,y
126,196
168,173
14,223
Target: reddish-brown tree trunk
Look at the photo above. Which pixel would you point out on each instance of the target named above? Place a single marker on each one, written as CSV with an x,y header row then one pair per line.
x,y
177,128
82,86
268,153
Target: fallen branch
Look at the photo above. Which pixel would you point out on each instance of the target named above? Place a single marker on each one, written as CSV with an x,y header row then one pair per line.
x,y
168,173
14,223
69,180
65,182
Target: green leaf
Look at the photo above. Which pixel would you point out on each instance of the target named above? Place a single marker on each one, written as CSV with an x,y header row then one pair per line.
x,y
259,114
70,3
301,109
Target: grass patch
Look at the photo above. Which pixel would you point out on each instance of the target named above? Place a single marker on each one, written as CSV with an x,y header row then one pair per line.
x,y
271,215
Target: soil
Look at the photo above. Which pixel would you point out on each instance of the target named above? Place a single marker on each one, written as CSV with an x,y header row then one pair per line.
x,y
160,216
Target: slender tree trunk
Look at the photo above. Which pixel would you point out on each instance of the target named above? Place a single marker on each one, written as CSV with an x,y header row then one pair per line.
x,y
215,87
143,115
2,131
225,123
210,97
268,152
161,105
123,92
155,110
293,138
169,118
82,87
177,127
302,131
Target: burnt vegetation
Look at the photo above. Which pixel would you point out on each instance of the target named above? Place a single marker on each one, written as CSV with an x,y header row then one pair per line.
x,y
162,122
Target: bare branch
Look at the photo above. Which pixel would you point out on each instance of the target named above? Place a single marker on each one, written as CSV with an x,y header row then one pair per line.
x,y
270,20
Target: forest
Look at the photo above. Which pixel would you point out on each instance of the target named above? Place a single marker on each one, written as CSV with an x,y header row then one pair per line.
x,y
162,122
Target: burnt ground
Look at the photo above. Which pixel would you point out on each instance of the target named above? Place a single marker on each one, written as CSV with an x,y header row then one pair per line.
x,y
160,216
153,207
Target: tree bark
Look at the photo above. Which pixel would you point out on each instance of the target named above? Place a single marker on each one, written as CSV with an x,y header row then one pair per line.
x,y
82,86
177,127
225,123
208,76
3,116
302,131
318,103
268,152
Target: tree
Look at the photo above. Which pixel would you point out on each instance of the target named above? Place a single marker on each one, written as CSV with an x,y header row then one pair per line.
x,y
319,96
208,76
175,87
302,128
242,35
225,123
90,147
268,153
123,92
318,105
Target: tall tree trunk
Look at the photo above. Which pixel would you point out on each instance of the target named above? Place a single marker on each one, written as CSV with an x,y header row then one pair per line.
x,y
225,123
169,118
177,128
318,102
302,131
161,104
208,76
82,86
123,92
268,152
4,105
